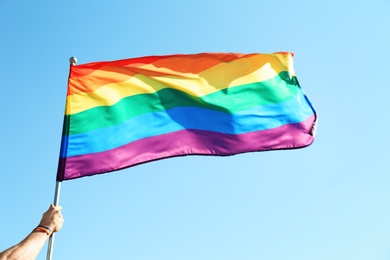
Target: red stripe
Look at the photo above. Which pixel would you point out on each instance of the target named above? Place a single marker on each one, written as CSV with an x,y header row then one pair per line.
x,y
85,69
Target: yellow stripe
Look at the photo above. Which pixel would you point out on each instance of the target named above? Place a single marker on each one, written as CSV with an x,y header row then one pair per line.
x,y
243,71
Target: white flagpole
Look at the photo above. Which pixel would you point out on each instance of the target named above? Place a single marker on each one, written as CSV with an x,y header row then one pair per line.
x,y
51,239
72,61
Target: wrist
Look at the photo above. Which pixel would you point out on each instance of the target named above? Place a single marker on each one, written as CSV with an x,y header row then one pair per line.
x,y
44,229
48,224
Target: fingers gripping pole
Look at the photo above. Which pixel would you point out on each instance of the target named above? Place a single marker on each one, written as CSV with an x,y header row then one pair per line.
x,y
51,238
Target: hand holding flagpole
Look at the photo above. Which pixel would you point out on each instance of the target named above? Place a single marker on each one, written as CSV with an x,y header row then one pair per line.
x,y
51,239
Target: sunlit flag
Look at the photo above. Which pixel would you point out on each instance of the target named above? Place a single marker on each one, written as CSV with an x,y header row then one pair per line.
x,y
127,112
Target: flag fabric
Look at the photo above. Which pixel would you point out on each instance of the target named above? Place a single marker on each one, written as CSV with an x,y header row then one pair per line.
x,y
127,112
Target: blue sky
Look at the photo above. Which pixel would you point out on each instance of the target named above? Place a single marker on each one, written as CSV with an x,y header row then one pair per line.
x,y
327,201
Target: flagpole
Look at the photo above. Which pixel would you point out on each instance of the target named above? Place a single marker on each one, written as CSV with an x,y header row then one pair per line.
x,y
51,238
72,62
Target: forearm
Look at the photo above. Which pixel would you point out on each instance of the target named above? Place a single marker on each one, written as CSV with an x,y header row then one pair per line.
x,y
27,249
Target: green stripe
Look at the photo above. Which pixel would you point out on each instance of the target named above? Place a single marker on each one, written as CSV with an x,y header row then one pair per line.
x,y
229,100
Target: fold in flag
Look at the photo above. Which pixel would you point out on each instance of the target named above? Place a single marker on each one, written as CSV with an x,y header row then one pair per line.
x,y
122,113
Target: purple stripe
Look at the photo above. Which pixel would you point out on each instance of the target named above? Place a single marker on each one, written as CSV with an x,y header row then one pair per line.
x,y
186,142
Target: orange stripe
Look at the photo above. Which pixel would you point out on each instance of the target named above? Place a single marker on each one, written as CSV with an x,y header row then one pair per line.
x,y
91,76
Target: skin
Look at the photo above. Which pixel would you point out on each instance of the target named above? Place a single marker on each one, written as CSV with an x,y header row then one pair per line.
x,y
30,247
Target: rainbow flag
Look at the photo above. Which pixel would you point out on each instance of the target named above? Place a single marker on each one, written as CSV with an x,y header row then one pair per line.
x,y
127,112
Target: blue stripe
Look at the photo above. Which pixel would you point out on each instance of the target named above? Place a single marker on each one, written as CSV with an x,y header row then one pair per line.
x,y
265,117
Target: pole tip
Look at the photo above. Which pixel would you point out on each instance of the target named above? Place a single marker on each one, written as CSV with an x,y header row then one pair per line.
x,y
72,60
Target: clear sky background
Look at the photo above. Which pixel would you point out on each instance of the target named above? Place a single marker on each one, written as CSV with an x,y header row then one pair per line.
x,y
328,201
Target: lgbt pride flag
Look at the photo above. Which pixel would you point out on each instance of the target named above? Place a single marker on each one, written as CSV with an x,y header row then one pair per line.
x,y
122,113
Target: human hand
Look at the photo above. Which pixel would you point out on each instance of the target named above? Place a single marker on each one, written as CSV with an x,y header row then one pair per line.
x,y
52,218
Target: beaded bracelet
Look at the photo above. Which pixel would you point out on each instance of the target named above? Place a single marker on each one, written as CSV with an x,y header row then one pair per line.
x,y
44,229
